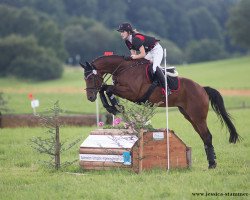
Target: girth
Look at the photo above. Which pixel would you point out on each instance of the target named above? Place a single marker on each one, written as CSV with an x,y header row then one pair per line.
x,y
150,90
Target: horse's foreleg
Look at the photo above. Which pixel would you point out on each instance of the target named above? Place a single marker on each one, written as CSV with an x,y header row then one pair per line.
x,y
111,96
111,109
103,99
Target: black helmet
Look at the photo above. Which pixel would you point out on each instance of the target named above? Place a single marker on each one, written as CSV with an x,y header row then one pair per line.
x,y
125,27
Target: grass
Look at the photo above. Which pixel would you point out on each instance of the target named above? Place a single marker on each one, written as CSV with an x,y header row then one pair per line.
x,y
22,177
224,74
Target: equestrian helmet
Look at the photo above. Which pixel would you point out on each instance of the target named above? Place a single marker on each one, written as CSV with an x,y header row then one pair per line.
x,y
125,27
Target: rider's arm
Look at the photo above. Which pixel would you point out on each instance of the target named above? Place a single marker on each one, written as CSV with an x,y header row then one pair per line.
x,y
142,53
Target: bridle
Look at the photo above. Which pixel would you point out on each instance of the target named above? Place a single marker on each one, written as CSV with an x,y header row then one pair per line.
x,y
99,79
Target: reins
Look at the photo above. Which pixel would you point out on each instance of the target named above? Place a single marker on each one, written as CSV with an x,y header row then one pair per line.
x,y
127,68
104,82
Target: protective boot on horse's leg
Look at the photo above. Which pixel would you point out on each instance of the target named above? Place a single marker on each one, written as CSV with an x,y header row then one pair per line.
x,y
209,149
206,137
118,108
106,105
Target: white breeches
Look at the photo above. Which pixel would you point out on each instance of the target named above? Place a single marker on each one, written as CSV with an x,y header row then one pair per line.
x,y
155,56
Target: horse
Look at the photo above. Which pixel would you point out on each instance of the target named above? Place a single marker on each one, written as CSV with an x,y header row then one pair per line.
x,y
130,82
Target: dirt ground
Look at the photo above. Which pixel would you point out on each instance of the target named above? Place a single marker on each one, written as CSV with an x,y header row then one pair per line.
x,y
226,92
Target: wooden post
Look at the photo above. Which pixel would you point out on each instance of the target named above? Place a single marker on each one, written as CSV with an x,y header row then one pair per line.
x,y
140,150
57,148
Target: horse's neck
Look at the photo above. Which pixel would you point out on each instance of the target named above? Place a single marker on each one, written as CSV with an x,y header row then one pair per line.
x,y
109,66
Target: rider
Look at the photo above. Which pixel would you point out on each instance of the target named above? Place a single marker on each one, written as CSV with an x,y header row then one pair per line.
x,y
148,48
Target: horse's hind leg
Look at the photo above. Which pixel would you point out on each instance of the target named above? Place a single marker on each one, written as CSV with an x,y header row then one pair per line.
x,y
206,137
200,126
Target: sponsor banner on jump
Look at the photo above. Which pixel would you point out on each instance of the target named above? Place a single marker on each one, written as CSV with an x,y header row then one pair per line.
x,y
101,158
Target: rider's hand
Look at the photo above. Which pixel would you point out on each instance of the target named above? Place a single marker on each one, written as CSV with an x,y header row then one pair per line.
x,y
133,56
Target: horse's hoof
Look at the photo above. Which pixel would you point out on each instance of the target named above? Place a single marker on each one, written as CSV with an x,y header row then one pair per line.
x,y
212,165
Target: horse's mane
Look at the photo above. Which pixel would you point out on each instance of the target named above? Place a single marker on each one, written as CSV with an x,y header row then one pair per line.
x,y
144,61
103,56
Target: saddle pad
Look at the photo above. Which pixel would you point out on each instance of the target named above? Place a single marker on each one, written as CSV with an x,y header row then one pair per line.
x,y
173,82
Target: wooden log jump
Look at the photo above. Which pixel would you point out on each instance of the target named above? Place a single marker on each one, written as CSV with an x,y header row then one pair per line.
x,y
105,149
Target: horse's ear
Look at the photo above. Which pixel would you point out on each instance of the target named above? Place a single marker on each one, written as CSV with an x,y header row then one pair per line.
x,y
89,65
82,65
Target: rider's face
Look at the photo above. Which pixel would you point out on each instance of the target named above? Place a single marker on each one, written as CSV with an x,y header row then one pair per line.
x,y
124,35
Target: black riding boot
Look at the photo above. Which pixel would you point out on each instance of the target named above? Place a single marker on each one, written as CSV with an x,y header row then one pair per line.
x,y
160,77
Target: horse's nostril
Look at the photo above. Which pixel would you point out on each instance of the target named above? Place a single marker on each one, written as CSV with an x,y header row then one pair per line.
x,y
91,98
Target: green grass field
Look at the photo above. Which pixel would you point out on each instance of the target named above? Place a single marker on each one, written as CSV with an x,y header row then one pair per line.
x,y
22,177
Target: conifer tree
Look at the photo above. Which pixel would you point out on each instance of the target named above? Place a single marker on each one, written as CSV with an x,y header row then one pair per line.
x,y
52,145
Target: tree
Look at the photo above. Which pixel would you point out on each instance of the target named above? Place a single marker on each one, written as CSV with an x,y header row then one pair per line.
x,y
181,30
91,41
178,21
49,36
153,16
204,25
111,12
7,19
26,22
238,24
174,53
54,8
52,145
24,58
74,41
88,8
204,50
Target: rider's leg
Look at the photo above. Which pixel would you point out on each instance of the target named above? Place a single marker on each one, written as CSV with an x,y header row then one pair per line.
x,y
157,55
160,77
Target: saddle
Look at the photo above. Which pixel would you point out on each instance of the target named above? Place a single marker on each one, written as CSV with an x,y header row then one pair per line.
x,y
173,82
172,77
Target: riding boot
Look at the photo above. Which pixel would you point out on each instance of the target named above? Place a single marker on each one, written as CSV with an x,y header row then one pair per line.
x,y
160,77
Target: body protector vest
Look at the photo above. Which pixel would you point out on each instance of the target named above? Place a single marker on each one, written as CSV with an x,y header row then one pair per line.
x,y
139,40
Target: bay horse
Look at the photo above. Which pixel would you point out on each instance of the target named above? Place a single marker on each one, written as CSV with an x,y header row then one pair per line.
x,y
131,83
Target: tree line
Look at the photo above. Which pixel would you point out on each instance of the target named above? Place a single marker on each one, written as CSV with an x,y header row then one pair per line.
x,y
37,36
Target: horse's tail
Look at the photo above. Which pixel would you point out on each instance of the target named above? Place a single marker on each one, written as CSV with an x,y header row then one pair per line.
x,y
218,106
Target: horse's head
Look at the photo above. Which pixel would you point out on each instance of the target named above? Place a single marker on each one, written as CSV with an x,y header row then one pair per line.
x,y
93,81
94,71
